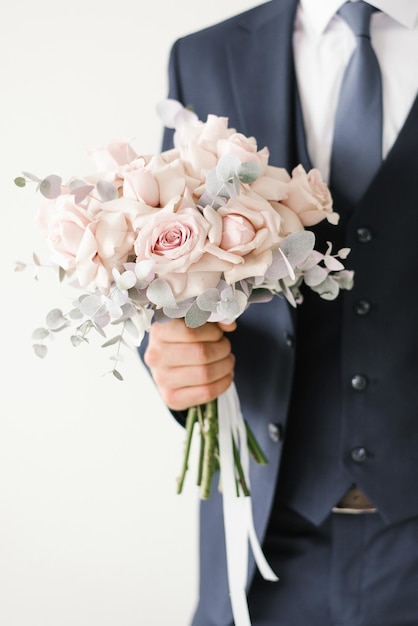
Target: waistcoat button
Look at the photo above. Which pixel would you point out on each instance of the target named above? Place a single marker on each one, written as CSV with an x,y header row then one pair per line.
x,y
289,339
359,382
275,432
359,454
362,307
364,234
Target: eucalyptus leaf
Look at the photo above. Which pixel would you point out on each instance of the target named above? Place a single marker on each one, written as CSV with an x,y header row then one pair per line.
x,y
328,290
227,167
20,181
111,342
344,252
132,329
208,300
249,171
99,329
126,281
39,334
55,320
85,327
229,309
117,374
76,340
315,277
232,188
333,264
32,177
280,267
160,293
260,295
345,279
213,184
40,350
80,189
92,305
195,317
298,246
107,191
50,187
75,314
179,312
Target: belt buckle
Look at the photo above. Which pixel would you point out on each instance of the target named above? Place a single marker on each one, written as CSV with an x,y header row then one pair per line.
x,y
350,511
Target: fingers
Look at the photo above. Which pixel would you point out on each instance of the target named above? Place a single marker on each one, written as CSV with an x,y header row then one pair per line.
x,y
189,366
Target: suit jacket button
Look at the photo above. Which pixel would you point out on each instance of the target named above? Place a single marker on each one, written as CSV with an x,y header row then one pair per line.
x,y
290,340
275,432
359,455
359,382
363,234
362,307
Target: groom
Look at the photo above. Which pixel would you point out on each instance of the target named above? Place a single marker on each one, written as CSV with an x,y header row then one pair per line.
x,y
331,390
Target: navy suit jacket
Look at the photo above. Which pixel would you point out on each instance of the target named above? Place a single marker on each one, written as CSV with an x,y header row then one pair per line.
x,y
243,69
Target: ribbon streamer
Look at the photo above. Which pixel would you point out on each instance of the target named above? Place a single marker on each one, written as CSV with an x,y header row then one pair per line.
x,y
237,508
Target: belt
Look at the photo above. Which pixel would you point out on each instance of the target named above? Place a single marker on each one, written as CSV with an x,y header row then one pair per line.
x,y
354,502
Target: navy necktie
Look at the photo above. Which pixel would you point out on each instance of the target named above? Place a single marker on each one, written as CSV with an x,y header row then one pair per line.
x,y
357,144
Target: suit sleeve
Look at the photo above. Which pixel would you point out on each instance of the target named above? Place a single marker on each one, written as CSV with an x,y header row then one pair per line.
x,y
174,90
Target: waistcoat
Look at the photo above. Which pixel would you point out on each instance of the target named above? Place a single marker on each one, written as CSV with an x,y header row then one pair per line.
x,y
354,409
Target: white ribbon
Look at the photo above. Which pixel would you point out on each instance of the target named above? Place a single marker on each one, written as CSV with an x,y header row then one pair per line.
x,y
238,517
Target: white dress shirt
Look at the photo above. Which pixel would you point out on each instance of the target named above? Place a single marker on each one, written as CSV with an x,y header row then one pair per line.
x,y
323,44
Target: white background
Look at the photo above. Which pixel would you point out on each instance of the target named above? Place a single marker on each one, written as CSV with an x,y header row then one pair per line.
x,y
91,530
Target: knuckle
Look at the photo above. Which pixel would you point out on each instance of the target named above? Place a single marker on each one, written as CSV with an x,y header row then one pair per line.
x,y
150,356
203,375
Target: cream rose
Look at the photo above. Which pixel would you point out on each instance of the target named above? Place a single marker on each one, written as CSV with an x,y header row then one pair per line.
x,y
112,156
273,184
140,184
106,244
63,223
245,148
309,197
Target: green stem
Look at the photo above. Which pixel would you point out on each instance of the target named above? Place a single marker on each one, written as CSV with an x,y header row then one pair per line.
x,y
210,435
254,447
201,456
190,422
240,471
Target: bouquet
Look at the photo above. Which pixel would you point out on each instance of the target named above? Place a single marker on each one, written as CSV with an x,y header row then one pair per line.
x,y
198,232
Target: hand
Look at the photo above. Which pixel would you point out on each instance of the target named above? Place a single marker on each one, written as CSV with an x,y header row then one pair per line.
x,y
190,366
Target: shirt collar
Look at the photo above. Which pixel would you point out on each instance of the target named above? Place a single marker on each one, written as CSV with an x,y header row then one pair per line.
x,y
319,13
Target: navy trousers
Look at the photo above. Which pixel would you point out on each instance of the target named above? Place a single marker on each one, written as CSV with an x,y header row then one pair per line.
x,y
353,570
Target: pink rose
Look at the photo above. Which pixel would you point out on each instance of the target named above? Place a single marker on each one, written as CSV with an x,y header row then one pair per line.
x,y
309,197
244,233
175,241
237,231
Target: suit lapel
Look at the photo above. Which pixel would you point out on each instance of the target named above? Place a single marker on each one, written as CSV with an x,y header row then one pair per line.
x,y
260,63
397,175
404,150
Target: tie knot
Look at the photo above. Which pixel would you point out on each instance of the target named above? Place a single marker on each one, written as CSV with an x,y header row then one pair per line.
x,y
357,15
